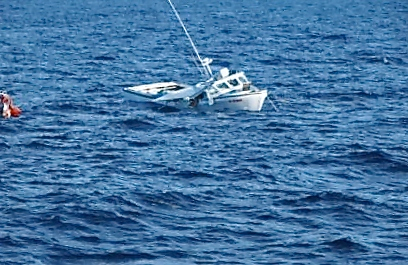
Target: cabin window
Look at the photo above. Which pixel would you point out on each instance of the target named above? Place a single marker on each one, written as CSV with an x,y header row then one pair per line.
x,y
222,85
243,79
233,82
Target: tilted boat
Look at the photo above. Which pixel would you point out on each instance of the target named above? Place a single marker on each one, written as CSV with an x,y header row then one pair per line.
x,y
226,90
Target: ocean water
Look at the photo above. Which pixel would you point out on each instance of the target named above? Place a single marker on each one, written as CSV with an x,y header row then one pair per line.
x,y
88,177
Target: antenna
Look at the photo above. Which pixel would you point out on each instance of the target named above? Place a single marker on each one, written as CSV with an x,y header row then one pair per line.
x,y
204,63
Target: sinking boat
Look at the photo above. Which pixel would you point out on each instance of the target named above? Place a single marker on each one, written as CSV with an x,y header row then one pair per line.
x,y
226,90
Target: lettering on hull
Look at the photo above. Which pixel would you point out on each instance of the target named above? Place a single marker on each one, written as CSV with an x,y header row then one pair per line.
x,y
235,100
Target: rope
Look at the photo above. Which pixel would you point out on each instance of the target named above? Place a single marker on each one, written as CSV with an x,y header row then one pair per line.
x,y
273,104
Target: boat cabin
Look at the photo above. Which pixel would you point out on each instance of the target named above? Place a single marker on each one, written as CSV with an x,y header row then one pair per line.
x,y
231,80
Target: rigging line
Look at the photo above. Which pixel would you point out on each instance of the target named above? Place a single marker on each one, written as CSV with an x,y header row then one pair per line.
x,y
196,64
273,104
189,37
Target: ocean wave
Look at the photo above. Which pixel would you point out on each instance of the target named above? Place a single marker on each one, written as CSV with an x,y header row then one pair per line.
x,y
137,124
65,255
345,245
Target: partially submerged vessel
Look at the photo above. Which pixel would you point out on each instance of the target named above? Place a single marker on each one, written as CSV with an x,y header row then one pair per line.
x,y
227,90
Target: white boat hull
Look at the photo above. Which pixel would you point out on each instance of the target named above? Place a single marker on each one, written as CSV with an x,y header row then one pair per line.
x,y
251,101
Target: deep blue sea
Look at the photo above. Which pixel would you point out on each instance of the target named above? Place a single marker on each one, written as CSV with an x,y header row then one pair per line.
x,y
88,177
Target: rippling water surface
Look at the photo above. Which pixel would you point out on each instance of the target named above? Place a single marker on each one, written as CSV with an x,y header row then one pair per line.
x,y
88,177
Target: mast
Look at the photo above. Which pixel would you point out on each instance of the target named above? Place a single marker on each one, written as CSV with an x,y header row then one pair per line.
x,y
205,63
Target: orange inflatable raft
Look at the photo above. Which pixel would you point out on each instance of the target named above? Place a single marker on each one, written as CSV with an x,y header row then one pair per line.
x,y
9,110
